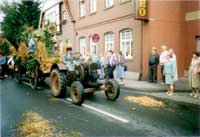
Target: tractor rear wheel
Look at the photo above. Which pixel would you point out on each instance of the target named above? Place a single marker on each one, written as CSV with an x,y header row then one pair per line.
x,y
77,93
58,84
112,90
35,77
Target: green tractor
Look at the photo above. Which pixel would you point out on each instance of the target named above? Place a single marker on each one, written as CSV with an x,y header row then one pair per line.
x,y
80,80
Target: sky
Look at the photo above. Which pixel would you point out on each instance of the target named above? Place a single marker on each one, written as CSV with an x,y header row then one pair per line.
x,y
1,2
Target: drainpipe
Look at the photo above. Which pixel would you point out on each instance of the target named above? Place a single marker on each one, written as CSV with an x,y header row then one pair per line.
x,y
141,52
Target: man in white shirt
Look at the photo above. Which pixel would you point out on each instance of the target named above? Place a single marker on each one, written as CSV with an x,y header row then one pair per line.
x,y
163,60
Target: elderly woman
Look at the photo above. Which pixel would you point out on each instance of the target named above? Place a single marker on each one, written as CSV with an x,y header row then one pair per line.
x,y
169,72
194,76
120,68
171,51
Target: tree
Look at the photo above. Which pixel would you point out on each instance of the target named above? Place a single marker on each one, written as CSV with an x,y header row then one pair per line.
x,y
17,16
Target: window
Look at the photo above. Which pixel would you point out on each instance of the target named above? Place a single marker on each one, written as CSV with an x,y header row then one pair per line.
x,y
93,46
126,43
109,41
198,43
109,3
93,6
83,46
64,15
82,8
53,16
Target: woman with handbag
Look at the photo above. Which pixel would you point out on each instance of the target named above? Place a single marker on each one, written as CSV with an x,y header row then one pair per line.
x,y
194,77
121,68
169,72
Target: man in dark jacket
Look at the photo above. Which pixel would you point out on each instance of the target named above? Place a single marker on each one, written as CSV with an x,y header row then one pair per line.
x,y
153,63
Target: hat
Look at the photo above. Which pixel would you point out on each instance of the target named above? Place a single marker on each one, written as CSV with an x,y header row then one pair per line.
x,y
196,53
69,48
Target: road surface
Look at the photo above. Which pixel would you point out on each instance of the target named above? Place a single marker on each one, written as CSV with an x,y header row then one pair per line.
x,y
97,116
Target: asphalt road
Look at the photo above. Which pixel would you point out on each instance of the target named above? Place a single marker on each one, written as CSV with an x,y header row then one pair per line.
x,y
97,116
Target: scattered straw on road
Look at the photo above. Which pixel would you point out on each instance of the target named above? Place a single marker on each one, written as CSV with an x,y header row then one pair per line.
x,y
37,126
145,101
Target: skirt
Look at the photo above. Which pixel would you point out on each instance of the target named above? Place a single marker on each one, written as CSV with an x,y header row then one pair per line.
x,y
169,79
194,80
120,72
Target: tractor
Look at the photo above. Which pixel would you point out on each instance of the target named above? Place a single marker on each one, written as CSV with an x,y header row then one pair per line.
x,y
80,80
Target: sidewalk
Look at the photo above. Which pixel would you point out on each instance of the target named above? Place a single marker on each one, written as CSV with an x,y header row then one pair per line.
x,y
159,91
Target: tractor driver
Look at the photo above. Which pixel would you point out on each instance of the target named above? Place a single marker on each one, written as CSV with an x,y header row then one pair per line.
x,y
68,59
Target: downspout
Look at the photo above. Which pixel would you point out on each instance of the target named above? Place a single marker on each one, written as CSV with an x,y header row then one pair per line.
x,y
141,51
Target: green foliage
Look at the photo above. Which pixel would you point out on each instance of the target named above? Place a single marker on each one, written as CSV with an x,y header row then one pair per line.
x,y
48,40
31,64
17,16
26,35
4,47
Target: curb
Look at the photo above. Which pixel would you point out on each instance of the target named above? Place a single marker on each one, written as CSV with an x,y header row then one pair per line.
x,y
183,104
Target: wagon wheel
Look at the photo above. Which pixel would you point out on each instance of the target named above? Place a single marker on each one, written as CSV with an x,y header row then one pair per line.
x,y
112,90
77,93
17,74
34,78
79,72
58,84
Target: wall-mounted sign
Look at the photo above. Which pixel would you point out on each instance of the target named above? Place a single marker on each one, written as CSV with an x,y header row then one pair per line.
x,y
95,37
141,9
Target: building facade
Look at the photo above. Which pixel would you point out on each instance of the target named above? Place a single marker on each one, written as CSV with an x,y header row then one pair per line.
x,y
113,25
175,24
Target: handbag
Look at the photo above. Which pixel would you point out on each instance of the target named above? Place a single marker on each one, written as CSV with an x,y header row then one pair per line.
x,y
125,67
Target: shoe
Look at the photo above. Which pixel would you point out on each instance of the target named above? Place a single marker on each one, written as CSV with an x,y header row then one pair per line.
x,y
196,95
191,94
170,94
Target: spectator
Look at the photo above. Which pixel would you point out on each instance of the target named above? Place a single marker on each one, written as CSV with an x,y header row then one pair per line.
x,y
163,59
2,65
120,68
153,63
94,57
10,64
86,57
171,51
194,77
169,72
102,64
112,62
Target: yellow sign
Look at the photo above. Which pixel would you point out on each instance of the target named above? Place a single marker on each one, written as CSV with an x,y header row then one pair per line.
x,y
141,7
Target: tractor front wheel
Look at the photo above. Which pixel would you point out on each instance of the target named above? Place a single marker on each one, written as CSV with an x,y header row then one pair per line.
x,y
77,93
112,90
